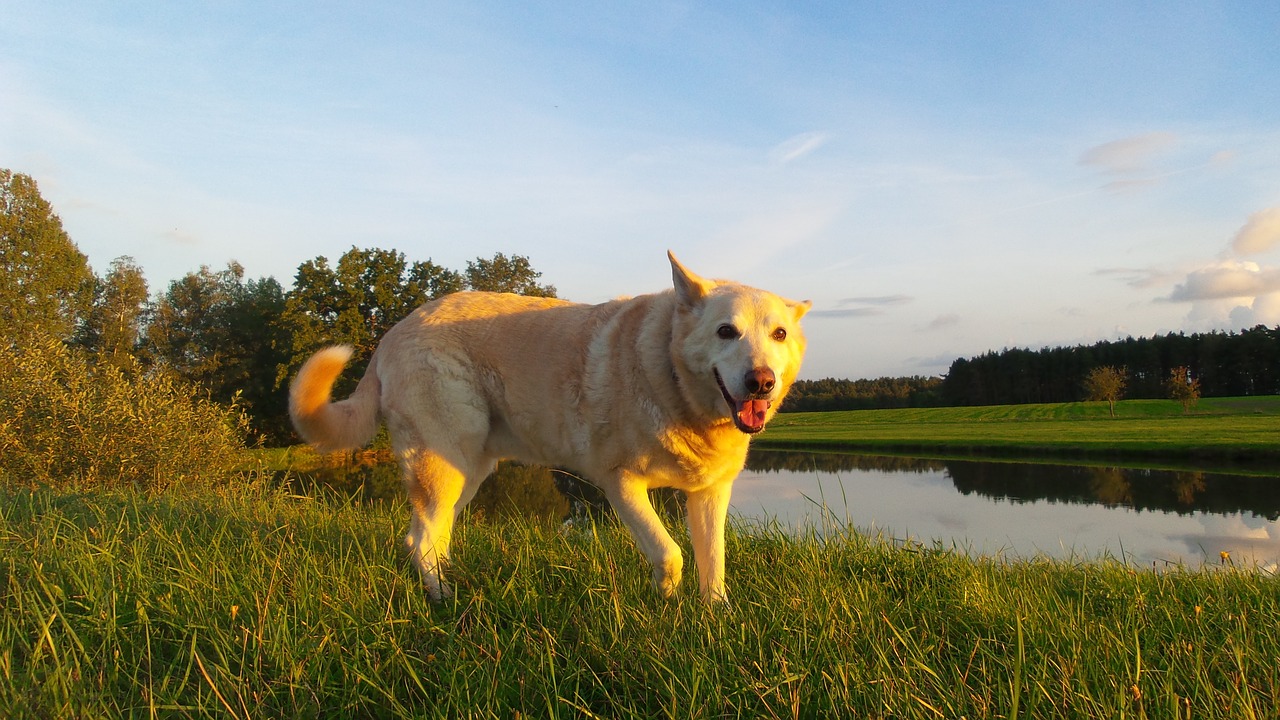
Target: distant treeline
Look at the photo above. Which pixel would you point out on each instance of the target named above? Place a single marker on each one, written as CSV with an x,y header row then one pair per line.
x,y
885,392
1227,364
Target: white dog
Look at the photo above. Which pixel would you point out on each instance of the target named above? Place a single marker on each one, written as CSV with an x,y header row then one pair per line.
x,y
661,390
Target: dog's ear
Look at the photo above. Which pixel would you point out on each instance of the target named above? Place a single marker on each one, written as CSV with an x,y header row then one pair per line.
x,y
800,308
690,288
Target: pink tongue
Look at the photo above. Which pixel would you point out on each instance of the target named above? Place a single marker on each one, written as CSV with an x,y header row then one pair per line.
x,y
751,412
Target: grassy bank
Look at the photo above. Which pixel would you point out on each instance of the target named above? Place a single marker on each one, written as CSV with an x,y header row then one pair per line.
x,y
255,604
1242,430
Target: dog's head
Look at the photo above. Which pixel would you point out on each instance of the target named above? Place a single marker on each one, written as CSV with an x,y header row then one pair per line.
x,y
739,347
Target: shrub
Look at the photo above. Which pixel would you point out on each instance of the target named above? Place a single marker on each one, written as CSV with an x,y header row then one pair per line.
x,y
68,422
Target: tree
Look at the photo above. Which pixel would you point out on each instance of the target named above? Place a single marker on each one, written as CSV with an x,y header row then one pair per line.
x,y
219,331
356,303
45,281
1106,383
507,274
1182,387
112,330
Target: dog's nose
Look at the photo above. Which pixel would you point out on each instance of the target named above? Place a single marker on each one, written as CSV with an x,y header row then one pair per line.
x,y
759,381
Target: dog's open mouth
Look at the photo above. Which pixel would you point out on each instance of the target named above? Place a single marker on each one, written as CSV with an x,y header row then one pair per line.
x,y
749,414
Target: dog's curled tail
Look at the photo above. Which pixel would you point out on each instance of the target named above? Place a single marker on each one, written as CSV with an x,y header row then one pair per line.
x,y
327,425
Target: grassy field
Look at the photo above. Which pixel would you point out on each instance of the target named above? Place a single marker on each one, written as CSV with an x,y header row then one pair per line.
x,y
1216,430
247,602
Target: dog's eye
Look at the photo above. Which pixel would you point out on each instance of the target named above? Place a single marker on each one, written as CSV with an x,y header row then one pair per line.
x,y
780,334
727,332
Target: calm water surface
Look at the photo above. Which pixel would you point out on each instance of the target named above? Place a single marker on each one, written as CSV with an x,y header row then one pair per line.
x,y
982,508
1023,509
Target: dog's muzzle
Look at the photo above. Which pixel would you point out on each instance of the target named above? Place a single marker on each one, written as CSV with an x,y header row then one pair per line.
x,y
750,413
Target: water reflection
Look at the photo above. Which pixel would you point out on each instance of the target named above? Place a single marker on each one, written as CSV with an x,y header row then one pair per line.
x,y
1145,516
1175,491
513,489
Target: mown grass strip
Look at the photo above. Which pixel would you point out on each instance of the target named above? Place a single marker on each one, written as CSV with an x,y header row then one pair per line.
x,y
1244,430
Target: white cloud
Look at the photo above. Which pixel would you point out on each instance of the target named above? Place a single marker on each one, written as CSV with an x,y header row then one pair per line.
x,y
1264,310
862,306
1128,155
1227,279
1230,294
1141,278
797,146
876,300
1119,186
944,321
1259,234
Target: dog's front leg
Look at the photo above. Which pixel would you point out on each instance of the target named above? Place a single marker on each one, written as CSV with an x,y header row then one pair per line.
x,y
630,499
707,511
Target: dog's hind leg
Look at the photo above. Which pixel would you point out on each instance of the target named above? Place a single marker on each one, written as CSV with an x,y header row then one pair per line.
x,y
435,485
630,499
475,479
707,511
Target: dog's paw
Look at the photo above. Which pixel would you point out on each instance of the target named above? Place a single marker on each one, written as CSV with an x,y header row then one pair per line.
x,y
716,597
440,590
666,581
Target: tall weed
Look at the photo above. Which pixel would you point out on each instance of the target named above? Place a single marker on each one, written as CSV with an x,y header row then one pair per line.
x,y
68,422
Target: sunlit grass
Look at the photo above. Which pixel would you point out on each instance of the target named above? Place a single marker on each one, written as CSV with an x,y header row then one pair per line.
x,y
256,604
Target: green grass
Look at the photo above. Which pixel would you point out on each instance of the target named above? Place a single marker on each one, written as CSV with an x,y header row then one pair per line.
x,y
1216,429
251,603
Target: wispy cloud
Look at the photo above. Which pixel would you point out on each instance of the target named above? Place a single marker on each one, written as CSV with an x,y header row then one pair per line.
x,y
1142,278
943,322
797,146
881,300
1128,155
845,312
862,306
1119,186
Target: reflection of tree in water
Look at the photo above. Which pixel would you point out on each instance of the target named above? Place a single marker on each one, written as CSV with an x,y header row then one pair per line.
x,y
559,494
1109,486
1181,492
515,489
588,502
782,461
512,489
1187,486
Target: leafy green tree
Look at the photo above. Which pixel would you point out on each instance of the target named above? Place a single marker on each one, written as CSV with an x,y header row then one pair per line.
x,y
1106,383
507,274
45,281
356,303
112,330
1182,387
225,334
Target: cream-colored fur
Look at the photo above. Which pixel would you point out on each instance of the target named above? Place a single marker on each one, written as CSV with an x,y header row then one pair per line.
x,y
659,390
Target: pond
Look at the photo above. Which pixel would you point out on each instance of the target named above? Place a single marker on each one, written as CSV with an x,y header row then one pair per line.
x,y
1018,509
1013,509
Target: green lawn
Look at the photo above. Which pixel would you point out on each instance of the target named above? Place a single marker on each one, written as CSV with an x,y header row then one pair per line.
x,y
1220,429
246,602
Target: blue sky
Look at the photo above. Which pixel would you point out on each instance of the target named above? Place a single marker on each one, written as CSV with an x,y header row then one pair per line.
x,y
940,179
